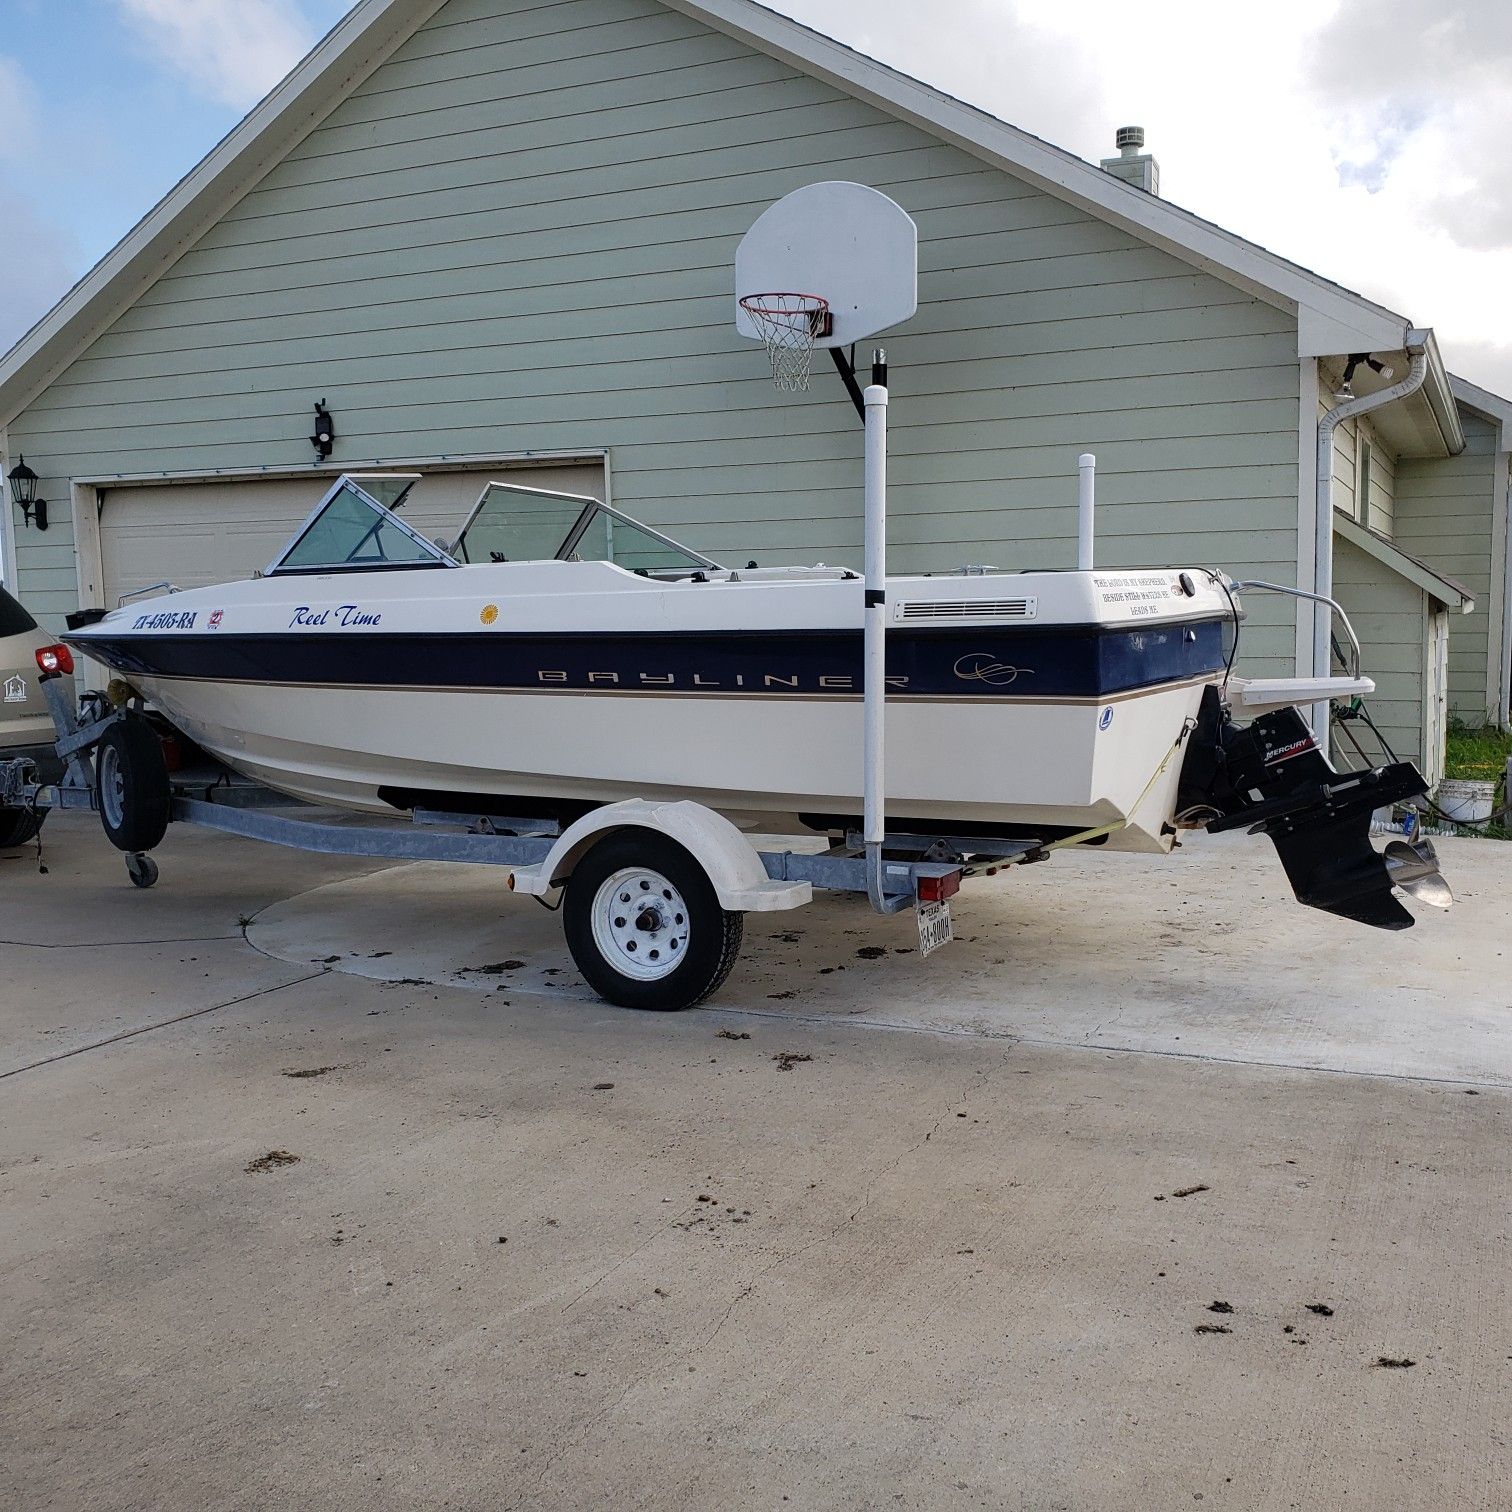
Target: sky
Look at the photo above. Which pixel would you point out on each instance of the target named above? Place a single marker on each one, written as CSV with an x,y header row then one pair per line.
x,y
1370,141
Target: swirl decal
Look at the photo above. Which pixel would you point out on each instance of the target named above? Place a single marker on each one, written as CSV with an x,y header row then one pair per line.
x,y
982,666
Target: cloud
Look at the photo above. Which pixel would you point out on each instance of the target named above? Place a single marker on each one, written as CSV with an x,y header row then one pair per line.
x,y
18,111
1364,139
38,265
1011,64
1420,87
232,51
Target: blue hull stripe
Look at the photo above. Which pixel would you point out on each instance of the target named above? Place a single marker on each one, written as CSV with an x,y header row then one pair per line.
x,y
993,662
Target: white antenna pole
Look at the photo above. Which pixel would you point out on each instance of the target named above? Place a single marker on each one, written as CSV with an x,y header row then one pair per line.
x,y
1086,466
874,683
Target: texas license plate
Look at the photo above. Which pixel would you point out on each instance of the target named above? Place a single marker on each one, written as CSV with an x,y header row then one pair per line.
x,y
934,927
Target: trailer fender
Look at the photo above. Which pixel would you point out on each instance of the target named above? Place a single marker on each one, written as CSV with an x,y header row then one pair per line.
x,y
730,860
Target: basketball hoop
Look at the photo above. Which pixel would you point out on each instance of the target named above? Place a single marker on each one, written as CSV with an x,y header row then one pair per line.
x,y
789,324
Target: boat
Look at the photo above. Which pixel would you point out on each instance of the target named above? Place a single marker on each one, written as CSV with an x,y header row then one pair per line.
x,y
560,654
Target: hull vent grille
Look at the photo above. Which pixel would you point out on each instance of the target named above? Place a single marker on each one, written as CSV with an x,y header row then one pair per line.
x,y
967,609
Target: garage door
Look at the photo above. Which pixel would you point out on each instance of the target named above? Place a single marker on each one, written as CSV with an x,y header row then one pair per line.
x,y
191,534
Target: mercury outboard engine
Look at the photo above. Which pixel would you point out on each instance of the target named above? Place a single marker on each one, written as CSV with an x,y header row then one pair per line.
x,y
1272,777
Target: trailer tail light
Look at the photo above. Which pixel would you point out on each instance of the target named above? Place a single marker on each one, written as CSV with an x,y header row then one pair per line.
x,y
55,661
939,889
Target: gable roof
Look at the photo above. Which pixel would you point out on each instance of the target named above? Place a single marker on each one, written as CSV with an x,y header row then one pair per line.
x,y
1445,590
1331,319
1482,401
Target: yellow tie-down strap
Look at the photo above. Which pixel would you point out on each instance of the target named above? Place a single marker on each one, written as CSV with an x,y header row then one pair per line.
x,y
1082,836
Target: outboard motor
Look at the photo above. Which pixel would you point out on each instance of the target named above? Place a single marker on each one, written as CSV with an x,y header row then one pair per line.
x,y
1272,777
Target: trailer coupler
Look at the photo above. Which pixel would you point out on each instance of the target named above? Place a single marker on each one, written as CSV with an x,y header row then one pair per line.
x,y
1272,777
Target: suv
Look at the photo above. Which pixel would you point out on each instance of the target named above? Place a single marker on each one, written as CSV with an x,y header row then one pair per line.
x,y
26,727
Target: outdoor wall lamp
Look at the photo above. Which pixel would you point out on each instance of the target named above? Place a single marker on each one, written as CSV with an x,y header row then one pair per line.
x,y
325,432
23,485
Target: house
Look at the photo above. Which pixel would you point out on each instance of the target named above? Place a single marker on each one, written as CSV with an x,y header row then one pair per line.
x,y
492,235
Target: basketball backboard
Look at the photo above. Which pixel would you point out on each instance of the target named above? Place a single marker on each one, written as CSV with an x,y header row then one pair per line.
x,y
845,243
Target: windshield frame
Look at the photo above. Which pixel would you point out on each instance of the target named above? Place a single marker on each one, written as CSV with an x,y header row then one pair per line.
x,y
384,515
579,528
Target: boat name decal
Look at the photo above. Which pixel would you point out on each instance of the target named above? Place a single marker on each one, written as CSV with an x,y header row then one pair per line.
x,y
340,616
216,616
181,620
983,666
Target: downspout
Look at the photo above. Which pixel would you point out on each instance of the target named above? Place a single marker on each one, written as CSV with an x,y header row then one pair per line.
x,y
1417,371
1504,676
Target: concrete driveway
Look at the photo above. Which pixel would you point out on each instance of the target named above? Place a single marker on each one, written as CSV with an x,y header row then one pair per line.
x,y
1148,1198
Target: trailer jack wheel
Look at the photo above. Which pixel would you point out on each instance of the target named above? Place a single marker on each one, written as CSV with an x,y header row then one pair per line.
x,y
131,785
17,826
644,923
142,870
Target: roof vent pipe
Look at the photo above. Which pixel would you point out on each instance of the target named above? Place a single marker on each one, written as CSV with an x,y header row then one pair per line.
x,y
1133,164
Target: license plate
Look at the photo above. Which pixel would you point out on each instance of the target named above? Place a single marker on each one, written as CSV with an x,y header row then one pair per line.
x,y
934,927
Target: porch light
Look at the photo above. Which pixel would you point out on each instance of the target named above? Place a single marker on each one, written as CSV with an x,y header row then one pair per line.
x,y
325,432
23,486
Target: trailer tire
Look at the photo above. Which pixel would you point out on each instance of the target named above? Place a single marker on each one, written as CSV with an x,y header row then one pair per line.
x,y
17,826
131,785
644,923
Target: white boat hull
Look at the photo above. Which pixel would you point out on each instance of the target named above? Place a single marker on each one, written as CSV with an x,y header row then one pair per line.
x,y
1024,763
743,696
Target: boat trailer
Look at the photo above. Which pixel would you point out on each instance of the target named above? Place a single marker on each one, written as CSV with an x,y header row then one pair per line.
x,y
635,875
654,894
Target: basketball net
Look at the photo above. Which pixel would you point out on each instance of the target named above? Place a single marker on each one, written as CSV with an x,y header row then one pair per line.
x,y
788,324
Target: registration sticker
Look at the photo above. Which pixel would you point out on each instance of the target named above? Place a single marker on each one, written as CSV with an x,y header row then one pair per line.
x,y
934,927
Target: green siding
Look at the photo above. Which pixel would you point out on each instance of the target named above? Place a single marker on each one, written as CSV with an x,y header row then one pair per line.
x,y
1444,515
519,234
1378,508
1390,617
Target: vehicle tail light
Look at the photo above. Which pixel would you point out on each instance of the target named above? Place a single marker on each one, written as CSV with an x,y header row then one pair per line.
x,y
939,889
55,661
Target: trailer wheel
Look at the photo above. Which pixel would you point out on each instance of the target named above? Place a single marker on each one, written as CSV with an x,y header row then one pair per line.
x,y
131,785
644,923
17,826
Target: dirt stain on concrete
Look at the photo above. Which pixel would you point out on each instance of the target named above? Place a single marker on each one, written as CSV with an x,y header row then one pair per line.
x,y
271,1161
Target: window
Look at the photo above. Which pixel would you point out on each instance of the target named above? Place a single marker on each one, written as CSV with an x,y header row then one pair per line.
x,y
515,524
351,531
1362,481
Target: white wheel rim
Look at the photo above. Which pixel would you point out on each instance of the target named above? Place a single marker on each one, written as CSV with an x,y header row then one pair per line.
x,y
112,785
640,924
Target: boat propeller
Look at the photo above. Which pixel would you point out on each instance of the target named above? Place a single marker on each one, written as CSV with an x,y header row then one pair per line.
x,y
1415,869
1272,778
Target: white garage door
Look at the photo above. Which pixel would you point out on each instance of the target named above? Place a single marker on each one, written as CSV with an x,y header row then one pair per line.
x,y
190,534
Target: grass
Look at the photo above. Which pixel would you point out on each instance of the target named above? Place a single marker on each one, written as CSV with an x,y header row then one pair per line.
x,y
1480,754
1476,753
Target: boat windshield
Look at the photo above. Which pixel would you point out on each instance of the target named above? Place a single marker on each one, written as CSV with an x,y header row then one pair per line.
x,y
511,523
354,529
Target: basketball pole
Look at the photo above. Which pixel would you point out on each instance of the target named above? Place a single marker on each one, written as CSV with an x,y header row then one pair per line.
x,y
874,651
